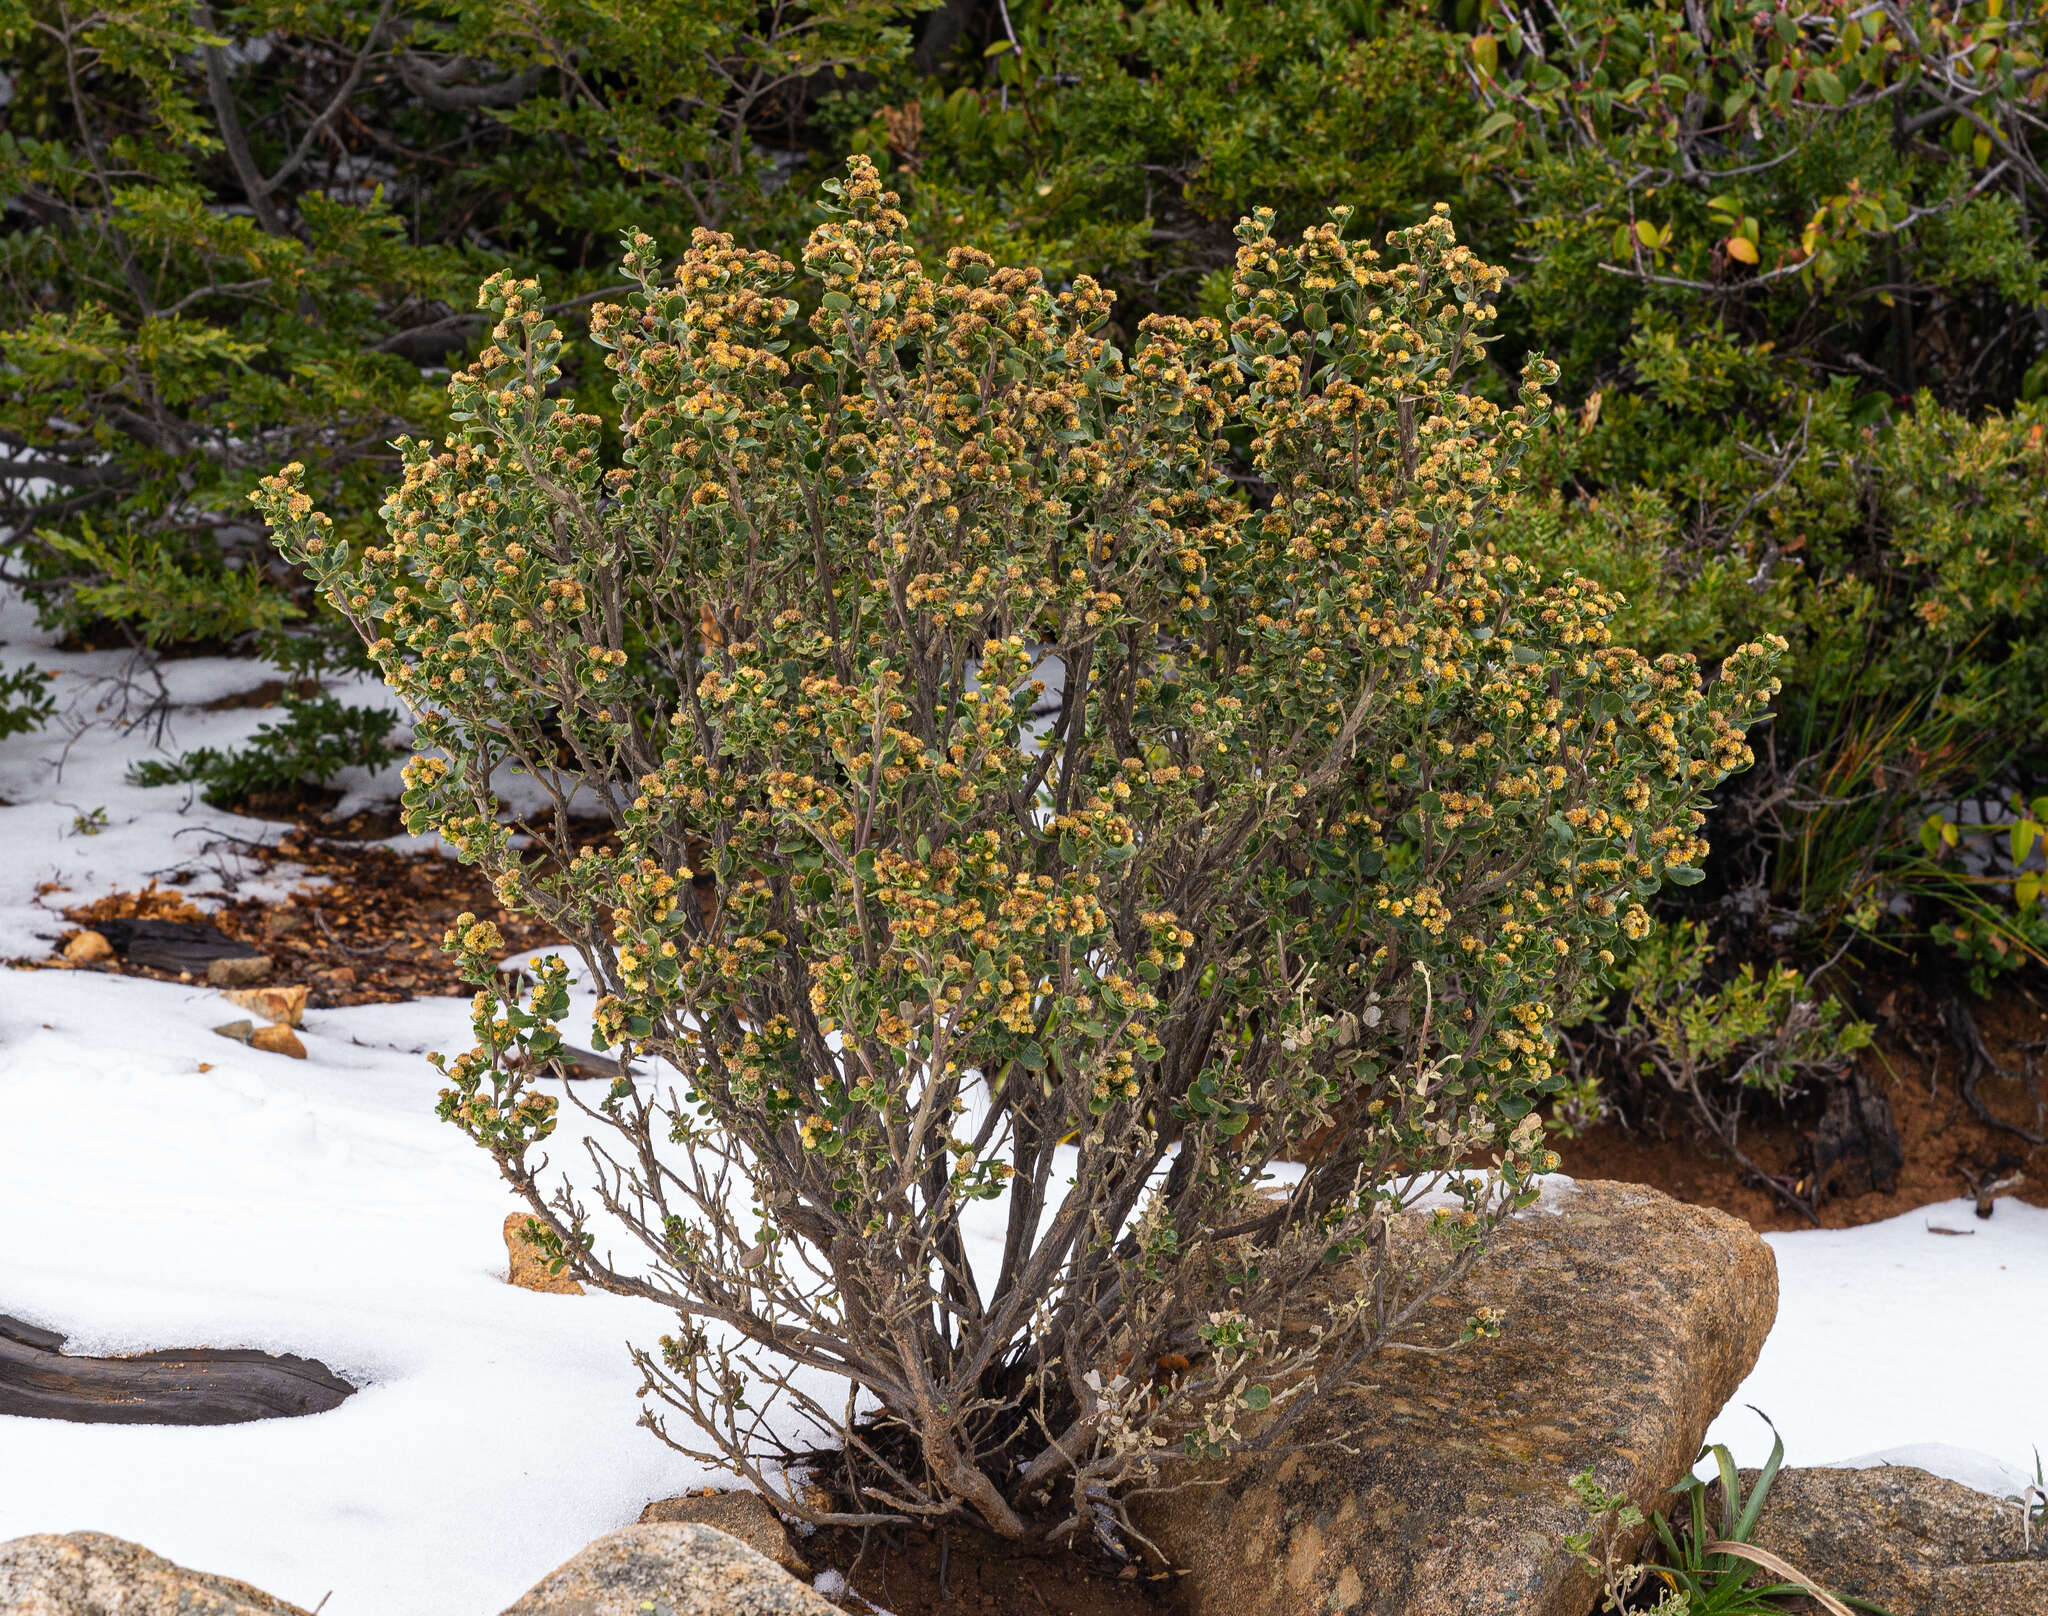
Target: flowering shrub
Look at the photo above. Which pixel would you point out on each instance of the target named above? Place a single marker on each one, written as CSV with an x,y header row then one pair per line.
x,y
1049,789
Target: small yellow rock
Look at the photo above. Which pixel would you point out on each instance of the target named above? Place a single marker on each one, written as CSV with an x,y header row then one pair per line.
x,y
278,1041
88,948
529,1270
286,1005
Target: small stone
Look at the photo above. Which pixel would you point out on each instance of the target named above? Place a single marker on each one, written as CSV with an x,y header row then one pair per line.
x,y
240,1031
529,1266
280,1004
684,1568
88,948
237,970
278,1041
746,1516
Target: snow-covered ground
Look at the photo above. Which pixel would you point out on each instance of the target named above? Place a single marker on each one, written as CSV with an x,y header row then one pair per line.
x,y
164,1187
315,1207
161,1186
1897,1343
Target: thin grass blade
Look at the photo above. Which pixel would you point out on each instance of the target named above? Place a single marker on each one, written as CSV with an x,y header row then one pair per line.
x,y
1780,1566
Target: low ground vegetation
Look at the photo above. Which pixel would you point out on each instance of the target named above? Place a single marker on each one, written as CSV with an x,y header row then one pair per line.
x,y
1694,1568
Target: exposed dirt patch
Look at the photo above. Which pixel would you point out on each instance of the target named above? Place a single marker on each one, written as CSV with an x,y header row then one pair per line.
x,y
373,933
967,1573
370,935
1915,1065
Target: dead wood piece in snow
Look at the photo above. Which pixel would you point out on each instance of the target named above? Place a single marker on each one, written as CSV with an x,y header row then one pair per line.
x,y
192,1386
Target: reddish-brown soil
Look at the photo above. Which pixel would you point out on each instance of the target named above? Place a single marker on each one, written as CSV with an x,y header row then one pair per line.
x,y
902,1572
1948,1150
267,694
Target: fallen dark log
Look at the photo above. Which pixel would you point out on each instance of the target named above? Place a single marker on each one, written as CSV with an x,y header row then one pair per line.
x,y
193,1386
171,945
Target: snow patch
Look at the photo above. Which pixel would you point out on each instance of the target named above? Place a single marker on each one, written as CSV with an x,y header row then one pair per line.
x,y
315,1207
1964,1466
1893,1337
